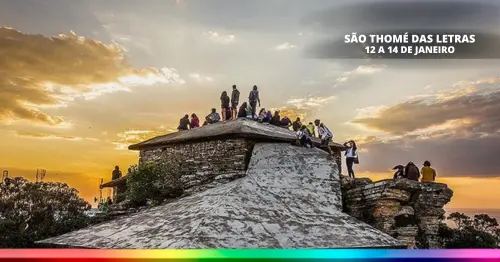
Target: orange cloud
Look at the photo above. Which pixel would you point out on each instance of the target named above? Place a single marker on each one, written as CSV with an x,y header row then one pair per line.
x,y
38,71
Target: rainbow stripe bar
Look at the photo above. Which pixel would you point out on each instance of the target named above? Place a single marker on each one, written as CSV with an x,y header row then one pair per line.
x,y
248,254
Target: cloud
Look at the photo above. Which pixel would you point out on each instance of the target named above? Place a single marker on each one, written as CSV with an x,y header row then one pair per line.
x,y
458,130
285,46
309,102
220,38
200,78
38,71
360,70
50,136
129,137
470,107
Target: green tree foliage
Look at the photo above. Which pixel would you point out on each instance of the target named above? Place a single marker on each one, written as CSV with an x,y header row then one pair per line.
x,y
32,211
152,183
479,232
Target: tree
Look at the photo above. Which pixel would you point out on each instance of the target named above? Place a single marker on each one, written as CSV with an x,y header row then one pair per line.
x,y
33,211
480,232
154,182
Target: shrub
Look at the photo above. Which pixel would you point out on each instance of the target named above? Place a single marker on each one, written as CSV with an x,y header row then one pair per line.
x,y
154,182
478,232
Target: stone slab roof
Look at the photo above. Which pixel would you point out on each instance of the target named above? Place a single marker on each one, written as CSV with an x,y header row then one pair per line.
x,y
240,127
290,198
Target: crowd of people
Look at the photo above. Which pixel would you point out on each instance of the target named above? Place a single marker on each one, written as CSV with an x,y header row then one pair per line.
x,y
412,172
232,109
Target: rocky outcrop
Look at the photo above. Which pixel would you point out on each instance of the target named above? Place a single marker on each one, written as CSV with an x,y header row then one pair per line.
x,y
407,210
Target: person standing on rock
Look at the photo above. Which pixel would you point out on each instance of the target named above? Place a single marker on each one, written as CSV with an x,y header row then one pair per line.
x,y
235,99
254,98
350,156
326,135
224,102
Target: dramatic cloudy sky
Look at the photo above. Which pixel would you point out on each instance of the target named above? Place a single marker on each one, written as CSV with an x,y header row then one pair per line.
x,y
80,80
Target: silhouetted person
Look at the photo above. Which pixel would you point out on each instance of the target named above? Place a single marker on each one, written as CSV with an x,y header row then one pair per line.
x,y
116,173
412,172
297,124
254,98
224,104
326,135
213,117
400,172
235,99
183,123
242,112
350,156
285,122
195,121
276,119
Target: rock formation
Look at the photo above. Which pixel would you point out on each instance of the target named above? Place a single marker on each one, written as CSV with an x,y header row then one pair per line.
x,y
407,210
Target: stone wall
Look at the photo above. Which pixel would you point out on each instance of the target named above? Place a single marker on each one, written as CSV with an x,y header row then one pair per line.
x,y
407,210
204,163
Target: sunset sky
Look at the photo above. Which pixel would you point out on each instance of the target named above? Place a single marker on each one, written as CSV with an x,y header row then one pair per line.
x,y
80,80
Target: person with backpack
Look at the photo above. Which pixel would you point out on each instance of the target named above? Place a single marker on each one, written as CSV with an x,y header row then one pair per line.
x,y
224,102
253,98
326,135
350,156
235,98
183,123
412,172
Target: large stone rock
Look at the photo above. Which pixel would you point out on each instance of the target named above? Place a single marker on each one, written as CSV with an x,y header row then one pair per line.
x,y
290,198
408,210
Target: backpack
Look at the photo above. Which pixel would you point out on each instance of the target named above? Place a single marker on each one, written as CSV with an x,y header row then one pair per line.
x,y
253,95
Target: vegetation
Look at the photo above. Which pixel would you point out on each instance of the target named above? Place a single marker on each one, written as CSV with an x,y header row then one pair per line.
x,y
151,183
481,231
32,211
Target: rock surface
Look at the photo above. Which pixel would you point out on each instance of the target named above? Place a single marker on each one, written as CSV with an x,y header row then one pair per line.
x,y
290,198
408,210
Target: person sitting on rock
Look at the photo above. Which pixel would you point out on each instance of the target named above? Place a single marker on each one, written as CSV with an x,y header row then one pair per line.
x,y
242,112
412,172
183,123
250,111
262,115
296,125
304,138
117,173
268,117
195,121
310,128
213,117
285,122
400,172
224,103
275,120
428,173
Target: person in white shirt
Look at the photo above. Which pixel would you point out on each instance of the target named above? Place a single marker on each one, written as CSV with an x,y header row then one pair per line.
x,y
326,135
351,155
